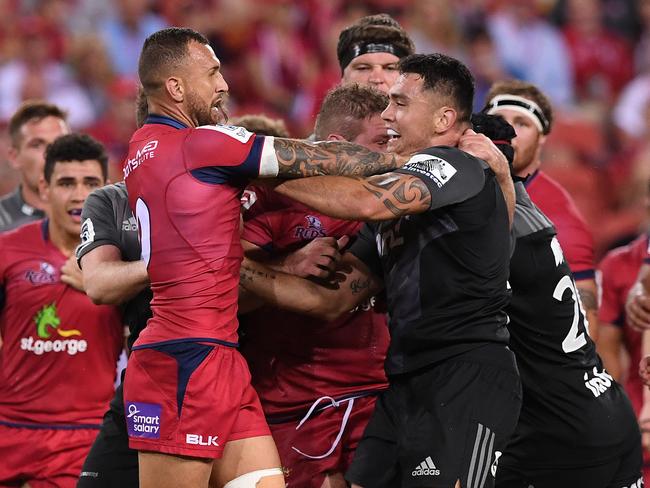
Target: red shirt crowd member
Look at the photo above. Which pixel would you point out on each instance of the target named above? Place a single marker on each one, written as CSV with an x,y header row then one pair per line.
x,y
529,111
59,351
187,389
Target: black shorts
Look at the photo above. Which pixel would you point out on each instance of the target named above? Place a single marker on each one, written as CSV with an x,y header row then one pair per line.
x,y
623,471
110,462
445,423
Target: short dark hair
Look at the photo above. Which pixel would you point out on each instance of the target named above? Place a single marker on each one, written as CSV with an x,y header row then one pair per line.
x,y
162,51
344,107
379,28
525,90
32,110
263,125
446,76
74,147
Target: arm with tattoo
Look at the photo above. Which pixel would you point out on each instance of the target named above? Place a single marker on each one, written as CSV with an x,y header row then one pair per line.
x,y
381,197
297,159
588,293
304,296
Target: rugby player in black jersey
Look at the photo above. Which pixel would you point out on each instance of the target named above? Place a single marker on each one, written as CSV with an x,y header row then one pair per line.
x,y
440,247
577,427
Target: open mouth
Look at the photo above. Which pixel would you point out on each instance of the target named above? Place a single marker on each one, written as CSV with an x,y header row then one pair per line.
x,y
392,134
75,213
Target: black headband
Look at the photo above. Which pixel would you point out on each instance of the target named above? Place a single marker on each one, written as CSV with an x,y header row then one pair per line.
x,y
371,47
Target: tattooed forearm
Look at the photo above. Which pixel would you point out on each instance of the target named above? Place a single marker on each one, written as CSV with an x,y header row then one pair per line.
x,y
297,159
248,274
401,194
588,299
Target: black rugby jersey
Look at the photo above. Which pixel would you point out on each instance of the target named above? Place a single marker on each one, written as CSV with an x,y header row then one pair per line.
x,y
107,219
14,211
444,270
573,412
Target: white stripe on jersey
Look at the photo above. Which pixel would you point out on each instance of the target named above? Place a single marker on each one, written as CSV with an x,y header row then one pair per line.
x,y
269,164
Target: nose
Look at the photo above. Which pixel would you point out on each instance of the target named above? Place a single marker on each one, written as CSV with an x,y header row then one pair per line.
x,y
222,85
388,114
377,76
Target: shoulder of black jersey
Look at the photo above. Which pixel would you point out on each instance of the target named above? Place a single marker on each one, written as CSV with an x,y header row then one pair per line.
x,y
452,155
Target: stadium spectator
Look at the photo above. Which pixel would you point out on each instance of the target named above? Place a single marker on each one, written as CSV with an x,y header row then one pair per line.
x,y
34,125
528,110
59,349
180,146
531,49
35,74
318,385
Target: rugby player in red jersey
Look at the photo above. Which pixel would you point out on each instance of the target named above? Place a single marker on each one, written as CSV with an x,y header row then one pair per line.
x,y
318,384
191,411
528,110
59,352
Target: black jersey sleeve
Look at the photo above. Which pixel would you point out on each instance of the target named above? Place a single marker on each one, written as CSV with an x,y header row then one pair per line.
x,y
365,249
99,225
451,175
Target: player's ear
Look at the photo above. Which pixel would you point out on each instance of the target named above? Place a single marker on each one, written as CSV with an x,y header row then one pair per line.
x,y
175,88
12,157
336,137
444,119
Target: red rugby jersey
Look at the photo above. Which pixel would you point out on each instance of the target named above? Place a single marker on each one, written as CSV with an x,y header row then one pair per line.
x,y
618,272
572,232
296,359
184,187
57,361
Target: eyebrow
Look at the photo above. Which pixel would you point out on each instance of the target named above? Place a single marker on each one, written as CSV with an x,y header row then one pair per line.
x,y
398,96
72,179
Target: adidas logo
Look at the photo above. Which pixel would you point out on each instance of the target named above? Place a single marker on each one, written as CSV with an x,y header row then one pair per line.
x,y
426,468
130,224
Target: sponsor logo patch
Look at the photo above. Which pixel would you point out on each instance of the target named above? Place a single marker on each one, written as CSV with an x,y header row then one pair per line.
x,y
47,322
239,133
313,229
201,440
143,420
87,234
46,274
426,468
439,170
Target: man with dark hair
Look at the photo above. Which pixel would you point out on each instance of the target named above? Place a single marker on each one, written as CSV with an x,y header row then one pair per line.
x,y
192,413
440,247
368,51
529,111
59,349
34,125
321,389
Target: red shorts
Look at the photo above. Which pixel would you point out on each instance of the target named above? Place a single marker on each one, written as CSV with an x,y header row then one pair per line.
x,y
43,457
189,398
319,435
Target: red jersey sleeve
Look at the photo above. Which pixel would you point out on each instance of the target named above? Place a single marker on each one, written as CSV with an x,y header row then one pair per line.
x,y
611,309
258,228
577,244
225,154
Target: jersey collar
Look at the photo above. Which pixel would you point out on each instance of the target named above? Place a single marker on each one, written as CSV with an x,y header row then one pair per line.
x,y
530,178
163,119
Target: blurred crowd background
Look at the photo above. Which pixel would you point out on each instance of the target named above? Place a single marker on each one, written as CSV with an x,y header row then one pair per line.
x,y
592,57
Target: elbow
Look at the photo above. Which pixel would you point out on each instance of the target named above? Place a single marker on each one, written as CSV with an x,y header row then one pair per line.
x,y
98,295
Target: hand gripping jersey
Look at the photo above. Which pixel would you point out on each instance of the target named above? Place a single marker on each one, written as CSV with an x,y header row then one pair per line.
x,y
573,413
184,185
314,358
572,231
57,361
107,219
618,272
444,270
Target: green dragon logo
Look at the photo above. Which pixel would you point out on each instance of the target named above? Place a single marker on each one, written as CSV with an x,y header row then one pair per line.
x,y
46,318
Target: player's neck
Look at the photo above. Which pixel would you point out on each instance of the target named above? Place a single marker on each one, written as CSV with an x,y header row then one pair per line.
x,y
31,197
530,168
62,240
173,111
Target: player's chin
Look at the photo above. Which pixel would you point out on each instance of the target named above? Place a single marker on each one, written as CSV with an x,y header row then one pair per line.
x,y
394,145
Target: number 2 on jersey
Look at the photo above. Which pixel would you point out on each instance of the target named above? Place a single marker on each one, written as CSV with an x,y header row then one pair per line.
x,y
142,215
574,339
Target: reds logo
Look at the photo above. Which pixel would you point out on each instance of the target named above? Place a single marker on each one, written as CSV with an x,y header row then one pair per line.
x,y
313,229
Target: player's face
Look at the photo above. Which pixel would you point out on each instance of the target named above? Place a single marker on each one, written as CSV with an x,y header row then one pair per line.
x,y
373,134
527,144
29,156
378,70
206,87
409,115
67,190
